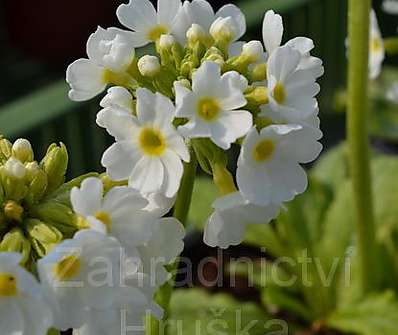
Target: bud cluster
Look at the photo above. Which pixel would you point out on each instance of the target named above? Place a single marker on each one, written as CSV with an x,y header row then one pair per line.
x,y
33,214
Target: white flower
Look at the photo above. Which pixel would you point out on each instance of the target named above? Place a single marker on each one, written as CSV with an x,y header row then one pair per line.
x,y
149,66
227,225
272,37
392,93
147,24
390,6
376,47
211,106
291,90
117,97
109,51
148,150
158,204
269,170
81,274
22,307
120,212
14,168
200,13
164,247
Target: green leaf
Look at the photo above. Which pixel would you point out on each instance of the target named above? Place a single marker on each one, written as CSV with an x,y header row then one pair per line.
x,y
194,311
204,194
332,167
377,314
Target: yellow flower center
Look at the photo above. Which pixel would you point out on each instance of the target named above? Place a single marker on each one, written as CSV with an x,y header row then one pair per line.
x,y
279,93
67,268
8,285
105,218
208,109
263,150
154,34
375,44
152,142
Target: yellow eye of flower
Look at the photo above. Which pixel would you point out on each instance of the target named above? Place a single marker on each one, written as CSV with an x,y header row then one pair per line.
x,y
8,285
208,109
156,32
105,218
375,44
263,150
279,93
152,142
67,268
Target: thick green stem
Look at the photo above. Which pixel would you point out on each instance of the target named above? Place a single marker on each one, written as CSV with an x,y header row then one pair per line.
x,y
181,210
357,117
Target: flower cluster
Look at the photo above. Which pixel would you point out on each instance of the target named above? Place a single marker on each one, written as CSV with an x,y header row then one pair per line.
x,y
202,92
99,246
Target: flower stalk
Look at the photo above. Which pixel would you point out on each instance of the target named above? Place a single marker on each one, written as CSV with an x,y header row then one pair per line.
x,y
357,130
181,211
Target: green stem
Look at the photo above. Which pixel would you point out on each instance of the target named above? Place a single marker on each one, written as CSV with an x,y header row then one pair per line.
x,y
181,210
357,117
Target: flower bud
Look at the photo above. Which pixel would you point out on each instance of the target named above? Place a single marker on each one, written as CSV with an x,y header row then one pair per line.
x,y
258,96
22,150
258,72
14,168
195,34
149,66
253,51
223,30
15,241
13,211
38,182
43,237
166,41
5,150
214,55
223,179
54,165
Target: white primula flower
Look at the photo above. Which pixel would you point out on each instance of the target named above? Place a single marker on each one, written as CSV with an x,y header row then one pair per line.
x,y
227,225
390,6
269,170
272,37
147,23
120,212
82,273
392,93
22,307
212,106
291,91
376,47
228,19
14,168
110,51
117,97
158,204
148,150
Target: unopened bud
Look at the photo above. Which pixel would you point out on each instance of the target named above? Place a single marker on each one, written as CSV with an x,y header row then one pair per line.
x,y
195,34
5,150
223,30
166,41
149,66
54,165
44,237
22,150
37,182
15,241
252,51
258,96
14,168
13,211
223,179
259,72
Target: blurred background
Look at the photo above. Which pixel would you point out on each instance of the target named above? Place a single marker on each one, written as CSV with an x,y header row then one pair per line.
x,y
38,41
